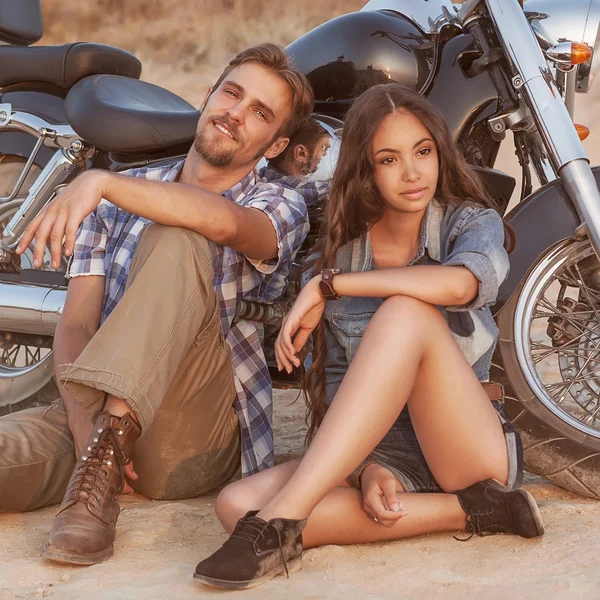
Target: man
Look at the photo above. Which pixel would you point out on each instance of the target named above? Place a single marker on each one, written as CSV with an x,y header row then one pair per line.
x,y
307,147
165,359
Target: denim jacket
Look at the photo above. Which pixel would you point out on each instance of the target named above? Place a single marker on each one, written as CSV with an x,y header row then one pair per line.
x,y
468,236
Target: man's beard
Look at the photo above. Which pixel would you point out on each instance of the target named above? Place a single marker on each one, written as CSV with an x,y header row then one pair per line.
x,y
213,156
223,157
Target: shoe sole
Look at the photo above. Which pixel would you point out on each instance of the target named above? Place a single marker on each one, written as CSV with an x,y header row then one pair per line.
x,y
75,559
537,516
293,567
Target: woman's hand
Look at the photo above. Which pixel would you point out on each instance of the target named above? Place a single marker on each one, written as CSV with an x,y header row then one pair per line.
x,y
380,501
62,217
298,324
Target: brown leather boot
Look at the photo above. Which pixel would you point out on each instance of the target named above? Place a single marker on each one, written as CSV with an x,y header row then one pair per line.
x,y
83,531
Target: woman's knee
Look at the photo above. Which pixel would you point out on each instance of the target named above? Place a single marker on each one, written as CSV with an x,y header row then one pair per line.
x,y
233,502
404,311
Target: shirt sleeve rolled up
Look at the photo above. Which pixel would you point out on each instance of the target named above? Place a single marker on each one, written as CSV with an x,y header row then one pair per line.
x,y
479,247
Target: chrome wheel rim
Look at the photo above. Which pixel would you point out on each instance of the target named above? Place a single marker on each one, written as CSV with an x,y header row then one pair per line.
x,y
557,335
26,363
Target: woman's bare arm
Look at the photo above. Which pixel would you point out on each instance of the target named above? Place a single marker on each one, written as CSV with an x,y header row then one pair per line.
x,y
439,285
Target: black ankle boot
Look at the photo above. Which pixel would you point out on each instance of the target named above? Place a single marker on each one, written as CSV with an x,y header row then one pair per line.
x,y
255,552
492,508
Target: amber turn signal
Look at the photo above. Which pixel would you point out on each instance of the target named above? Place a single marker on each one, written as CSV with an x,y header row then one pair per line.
x,y
582,131
580,53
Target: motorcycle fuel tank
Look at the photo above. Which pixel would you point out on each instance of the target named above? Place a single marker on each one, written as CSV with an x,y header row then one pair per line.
x,y
347,55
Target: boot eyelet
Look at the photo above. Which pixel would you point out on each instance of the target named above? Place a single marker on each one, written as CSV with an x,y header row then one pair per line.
x,y
109,463
119,431
111,452
84,457
100,430
95,440
126,423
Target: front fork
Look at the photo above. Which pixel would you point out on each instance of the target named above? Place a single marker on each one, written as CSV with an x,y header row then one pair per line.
x,y
554,123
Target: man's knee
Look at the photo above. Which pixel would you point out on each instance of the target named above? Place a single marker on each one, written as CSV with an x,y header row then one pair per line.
x,y
174,241
172,250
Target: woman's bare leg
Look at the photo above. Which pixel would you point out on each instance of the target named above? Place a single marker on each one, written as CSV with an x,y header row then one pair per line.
x,y
339,518
407,355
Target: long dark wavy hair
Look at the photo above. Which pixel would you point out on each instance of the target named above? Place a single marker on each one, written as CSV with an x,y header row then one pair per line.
x,y
355,204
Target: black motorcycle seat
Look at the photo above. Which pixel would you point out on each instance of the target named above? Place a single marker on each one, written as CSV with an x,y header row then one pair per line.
x,y
126,115
64,65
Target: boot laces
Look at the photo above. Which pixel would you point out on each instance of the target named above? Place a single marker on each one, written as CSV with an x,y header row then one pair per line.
x,y
482,523
93,471
251,529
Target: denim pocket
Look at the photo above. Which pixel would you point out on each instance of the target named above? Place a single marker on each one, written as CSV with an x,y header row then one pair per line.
x,y
349,330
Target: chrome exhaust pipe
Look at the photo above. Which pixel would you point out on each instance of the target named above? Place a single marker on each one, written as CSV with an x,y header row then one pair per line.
x,y
27,308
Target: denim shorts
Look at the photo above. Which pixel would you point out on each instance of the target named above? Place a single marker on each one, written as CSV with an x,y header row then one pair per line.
x,y
399,451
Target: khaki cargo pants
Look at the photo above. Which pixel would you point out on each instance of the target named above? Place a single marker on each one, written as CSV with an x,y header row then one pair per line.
x,y
161,350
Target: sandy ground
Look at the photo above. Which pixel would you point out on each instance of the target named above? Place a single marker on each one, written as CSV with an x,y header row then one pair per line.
x,y
159,544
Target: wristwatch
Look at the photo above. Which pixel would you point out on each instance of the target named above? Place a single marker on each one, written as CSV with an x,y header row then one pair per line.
x,y
326,284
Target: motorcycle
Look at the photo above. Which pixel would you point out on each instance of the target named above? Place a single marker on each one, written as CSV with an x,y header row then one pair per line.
x,y
489,65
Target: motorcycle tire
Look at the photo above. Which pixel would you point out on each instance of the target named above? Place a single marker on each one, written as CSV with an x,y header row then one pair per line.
x,y
35,387
555,446
45,396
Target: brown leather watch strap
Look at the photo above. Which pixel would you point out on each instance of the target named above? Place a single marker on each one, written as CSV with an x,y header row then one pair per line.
x,y
326,284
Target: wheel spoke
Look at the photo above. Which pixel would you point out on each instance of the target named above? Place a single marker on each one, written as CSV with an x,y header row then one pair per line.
x,y
21,356
567,372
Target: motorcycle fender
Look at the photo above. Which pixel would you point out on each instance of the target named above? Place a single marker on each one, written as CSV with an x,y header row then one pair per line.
x,y
545,218
40,102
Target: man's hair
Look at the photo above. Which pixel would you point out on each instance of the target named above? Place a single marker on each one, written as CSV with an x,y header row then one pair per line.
x,y
308,135
274,59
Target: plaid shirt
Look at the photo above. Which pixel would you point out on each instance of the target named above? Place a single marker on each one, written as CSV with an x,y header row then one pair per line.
x,y
106,243
312,191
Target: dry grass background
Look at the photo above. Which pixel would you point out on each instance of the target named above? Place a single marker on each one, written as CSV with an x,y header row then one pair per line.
x,y
183,44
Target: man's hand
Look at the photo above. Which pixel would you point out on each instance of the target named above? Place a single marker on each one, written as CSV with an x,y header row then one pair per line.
x,y
62,217
380,501
129,474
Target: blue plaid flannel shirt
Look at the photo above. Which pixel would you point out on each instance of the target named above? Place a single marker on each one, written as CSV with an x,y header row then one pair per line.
x,y
106,243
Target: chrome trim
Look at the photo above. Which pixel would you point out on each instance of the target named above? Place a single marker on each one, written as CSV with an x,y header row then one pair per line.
x,y
544,37
429,15
15,387
26,168
536,82
575,21
30,308
561,54
581,186
57,136
526,305
59,170
550,114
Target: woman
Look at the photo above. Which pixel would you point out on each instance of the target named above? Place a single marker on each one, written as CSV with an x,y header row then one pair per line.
x,y
403,339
